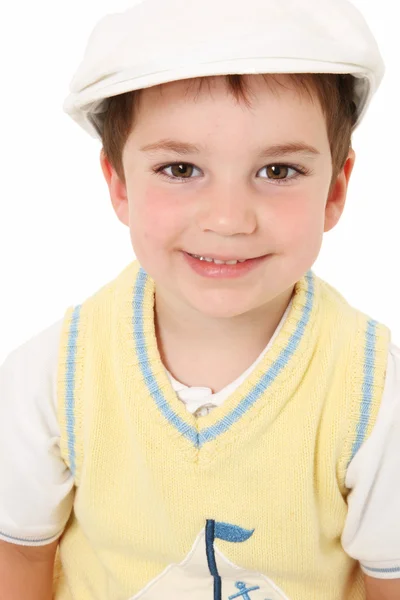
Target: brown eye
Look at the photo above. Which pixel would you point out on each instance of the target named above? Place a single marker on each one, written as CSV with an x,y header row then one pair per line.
x,y
275,170
182,170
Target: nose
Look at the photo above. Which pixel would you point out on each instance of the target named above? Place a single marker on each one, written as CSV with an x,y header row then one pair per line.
x,y
227,211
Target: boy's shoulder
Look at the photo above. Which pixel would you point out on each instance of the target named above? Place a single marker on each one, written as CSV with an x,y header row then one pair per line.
x,y
28,377
331,294
38,350
119,284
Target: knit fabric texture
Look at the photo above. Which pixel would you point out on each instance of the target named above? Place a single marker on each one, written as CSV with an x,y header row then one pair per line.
x,y
251,498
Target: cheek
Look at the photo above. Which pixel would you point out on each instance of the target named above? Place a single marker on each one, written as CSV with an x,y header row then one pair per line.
x,y
300,227
155,216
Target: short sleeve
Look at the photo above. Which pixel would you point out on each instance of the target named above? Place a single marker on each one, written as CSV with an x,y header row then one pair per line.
x,y
372,530
36,486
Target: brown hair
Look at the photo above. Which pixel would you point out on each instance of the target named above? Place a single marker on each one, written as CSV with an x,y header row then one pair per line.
x,y
334,92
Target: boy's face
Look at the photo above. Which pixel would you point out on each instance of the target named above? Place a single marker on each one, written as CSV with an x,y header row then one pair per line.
x,y
233,203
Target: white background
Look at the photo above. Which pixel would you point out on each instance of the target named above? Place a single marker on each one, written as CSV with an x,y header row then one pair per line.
x,y
60,239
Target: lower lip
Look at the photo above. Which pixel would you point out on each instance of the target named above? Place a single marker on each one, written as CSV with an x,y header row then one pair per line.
x,y
210,269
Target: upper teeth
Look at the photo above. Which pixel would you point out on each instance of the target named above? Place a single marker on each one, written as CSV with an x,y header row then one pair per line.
x,y
218,262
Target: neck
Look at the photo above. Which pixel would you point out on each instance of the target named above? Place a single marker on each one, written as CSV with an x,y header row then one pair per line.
x,y
224,347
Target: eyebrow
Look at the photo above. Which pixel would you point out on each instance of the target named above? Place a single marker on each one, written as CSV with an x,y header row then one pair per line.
x,y
274,151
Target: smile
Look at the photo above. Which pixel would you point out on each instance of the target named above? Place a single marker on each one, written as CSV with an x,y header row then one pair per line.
x,y
223,267
217,261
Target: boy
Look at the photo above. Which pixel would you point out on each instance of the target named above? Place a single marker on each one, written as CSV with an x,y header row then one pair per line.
x,y
217,422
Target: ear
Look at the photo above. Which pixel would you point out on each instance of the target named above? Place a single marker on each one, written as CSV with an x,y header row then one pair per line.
x,y
337,197
117,189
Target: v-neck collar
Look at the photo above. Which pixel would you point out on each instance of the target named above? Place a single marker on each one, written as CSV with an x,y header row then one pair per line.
x,y
204,395
280,362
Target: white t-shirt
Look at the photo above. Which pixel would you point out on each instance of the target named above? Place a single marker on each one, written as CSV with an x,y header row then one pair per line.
x,y
37,491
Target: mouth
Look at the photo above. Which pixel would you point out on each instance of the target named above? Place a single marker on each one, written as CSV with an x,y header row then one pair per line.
x,y
220,261
223,267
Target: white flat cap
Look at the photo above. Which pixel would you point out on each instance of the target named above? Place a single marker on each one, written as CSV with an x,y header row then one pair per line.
x,y
158,41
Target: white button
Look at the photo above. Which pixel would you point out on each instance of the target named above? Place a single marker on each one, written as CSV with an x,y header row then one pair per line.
x,y
202,411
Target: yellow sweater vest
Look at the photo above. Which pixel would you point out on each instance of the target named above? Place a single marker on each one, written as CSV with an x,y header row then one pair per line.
x,y
248,502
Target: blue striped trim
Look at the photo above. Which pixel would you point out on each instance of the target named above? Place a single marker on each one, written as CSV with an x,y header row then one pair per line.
x,y
70,386
33,540
391,570
367,387
199,439
268,378
140,342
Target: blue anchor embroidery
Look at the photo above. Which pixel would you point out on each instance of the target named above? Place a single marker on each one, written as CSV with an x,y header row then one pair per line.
x,y
244,592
